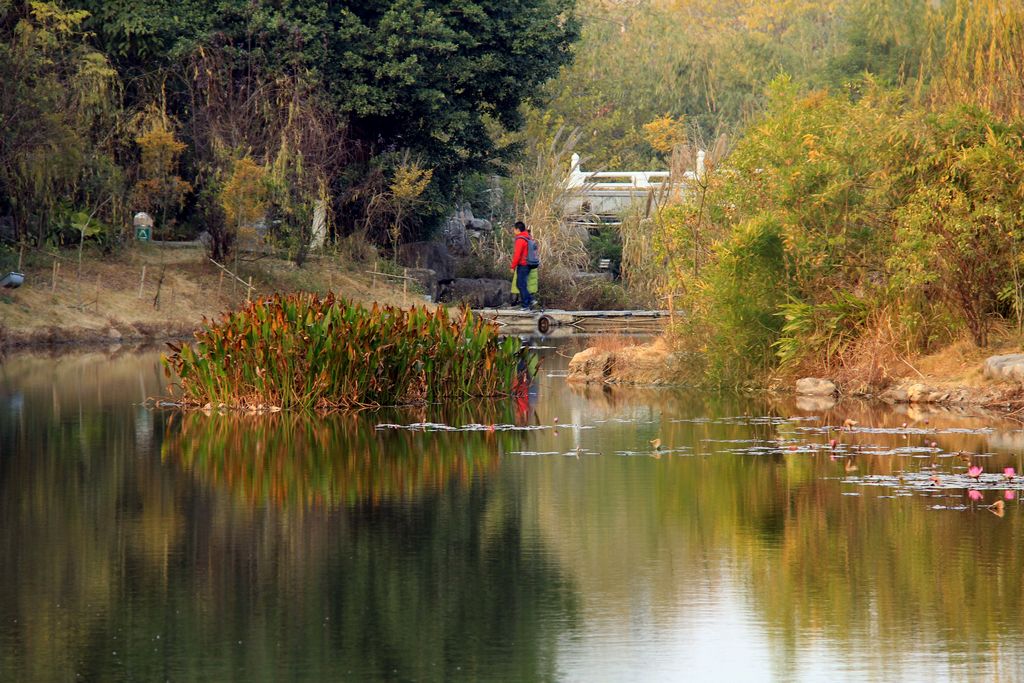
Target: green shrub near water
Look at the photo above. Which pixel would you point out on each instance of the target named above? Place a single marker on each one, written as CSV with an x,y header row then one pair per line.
x,y
302,352
844,222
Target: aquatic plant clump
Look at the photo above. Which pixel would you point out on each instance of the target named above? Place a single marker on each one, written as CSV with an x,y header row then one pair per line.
x,y
300,352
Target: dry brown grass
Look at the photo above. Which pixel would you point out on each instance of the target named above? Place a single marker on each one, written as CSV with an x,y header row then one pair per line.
x,y
613,342
540,199
620,360
878,360
873,361
104,301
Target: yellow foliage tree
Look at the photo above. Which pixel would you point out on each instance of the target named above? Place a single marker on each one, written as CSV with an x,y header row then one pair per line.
x,y
406,190
244,197
160,189
981,56
665,133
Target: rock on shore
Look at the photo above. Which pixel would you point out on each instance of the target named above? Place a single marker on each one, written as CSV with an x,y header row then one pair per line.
x,y
1008,368
815,386
642,364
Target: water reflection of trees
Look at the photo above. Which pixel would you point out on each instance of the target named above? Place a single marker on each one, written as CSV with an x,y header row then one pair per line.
x,y
888,587
115,565
480,572
882,577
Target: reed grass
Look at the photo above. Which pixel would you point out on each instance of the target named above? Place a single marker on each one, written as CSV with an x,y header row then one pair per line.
x,y
301,352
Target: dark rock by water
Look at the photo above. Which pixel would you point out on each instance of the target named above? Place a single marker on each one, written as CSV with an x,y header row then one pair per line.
x,y
430,255
478,292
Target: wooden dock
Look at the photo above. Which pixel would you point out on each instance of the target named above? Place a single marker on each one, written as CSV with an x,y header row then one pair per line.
x,y
558,322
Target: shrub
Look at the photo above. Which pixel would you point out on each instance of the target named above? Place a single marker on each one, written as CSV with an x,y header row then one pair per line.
x,y
824,331
737,319
302,352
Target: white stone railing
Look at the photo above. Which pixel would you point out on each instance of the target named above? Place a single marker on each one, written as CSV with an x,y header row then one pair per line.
x,y
611,192
623,180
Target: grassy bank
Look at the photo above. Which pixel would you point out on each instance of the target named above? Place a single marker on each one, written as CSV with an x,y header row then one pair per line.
x,y
107,298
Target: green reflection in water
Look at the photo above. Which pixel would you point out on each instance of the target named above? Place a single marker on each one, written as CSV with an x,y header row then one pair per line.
x,y
303,460
116,565
134,546
881,586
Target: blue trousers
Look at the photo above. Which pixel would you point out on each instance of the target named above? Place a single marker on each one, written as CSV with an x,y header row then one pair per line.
x,y
522,277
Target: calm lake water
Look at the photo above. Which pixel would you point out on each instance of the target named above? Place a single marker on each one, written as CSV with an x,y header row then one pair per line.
x,y
490,542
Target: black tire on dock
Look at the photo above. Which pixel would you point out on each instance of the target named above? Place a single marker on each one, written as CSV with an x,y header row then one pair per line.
x,y
543,324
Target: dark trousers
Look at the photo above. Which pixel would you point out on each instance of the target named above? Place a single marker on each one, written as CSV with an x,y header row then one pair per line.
x,y
522,278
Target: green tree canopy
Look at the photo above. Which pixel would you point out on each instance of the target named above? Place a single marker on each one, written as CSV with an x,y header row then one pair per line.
x,y
423,77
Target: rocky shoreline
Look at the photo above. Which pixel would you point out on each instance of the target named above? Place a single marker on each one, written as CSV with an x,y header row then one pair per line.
x,y
1001,384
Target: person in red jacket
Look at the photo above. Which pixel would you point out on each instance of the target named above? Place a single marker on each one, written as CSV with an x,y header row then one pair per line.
x,y
519,266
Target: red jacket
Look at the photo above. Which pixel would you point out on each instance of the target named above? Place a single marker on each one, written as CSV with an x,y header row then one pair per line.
x,y
519,254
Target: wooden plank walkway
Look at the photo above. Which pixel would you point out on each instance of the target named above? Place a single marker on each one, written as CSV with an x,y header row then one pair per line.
x,y
547,321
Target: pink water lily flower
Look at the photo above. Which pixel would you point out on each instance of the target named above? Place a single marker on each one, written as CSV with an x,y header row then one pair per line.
x,y
1009,495
974,471
974,494
1009,472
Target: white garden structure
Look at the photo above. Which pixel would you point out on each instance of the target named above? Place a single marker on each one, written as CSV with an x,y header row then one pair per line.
x,y
612,193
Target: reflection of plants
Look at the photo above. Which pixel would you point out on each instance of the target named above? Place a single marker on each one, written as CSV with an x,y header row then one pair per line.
x,y
301,460
301,352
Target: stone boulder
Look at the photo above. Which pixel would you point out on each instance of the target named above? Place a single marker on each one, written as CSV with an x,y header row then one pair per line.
x,y
639,364
922,393
477,292
430,255
1008,368
896,394
590,365
456,237
463,226
815,386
